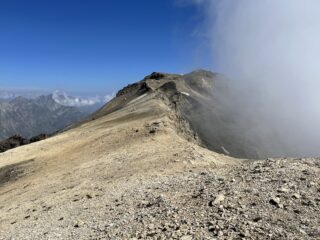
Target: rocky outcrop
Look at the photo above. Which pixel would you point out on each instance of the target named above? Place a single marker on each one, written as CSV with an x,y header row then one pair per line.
x,y
17,140
12,142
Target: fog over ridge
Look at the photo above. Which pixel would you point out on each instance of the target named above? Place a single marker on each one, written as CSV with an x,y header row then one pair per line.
x,y
270,51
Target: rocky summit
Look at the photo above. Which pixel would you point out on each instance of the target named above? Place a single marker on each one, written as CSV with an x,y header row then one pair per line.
x,y
158,161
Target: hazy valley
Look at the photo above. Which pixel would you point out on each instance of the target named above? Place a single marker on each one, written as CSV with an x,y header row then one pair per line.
x,y
44,114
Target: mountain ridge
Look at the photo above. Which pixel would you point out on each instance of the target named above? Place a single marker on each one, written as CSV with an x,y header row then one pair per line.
x,y
138,169
197,98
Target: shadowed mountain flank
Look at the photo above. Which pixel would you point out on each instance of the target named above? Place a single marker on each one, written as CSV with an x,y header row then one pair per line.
x,y
202,99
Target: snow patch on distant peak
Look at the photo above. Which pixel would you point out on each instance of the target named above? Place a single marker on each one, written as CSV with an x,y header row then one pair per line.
x,y
66,100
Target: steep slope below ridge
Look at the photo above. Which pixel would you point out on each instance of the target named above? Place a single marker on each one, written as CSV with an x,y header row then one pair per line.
x,y
135,170
202,99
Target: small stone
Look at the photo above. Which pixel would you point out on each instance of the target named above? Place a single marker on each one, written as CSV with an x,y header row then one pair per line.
x,y
296,196
275,201
302,231
78,224
211,229
152,131
257,219
297,211
219,199
186,237
283,190
88,196
244,234
220,233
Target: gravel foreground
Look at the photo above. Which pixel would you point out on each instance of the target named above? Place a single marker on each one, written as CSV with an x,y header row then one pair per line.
x,y
269,199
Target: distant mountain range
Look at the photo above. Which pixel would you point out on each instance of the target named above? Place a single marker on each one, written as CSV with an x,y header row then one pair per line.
x,y
33,115
59,96
11,94
64,99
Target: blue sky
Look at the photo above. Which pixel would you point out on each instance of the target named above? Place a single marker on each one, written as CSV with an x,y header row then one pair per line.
x,y
95,46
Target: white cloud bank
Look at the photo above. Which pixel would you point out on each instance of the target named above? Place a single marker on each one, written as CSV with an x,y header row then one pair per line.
x,y
66,100
271,51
